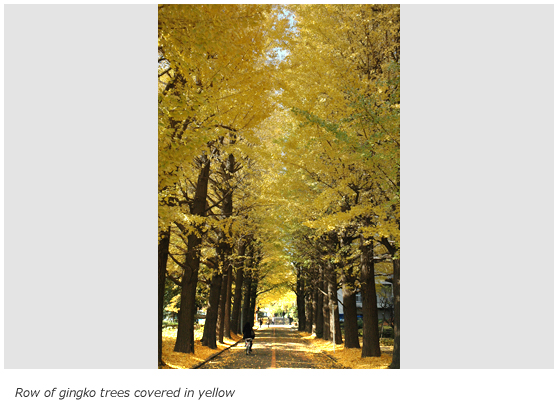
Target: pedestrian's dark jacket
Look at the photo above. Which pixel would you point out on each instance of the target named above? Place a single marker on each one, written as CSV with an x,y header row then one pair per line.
x,y
248,332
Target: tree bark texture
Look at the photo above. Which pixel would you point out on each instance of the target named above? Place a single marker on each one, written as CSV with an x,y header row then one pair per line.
x,y
309,311
350,310
335,327
315,306
325,306
370,333
253,295
319,310
300,301
209,337
246,299
228,302
222,303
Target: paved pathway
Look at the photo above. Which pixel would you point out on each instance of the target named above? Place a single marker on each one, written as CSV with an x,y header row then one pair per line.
x,y
274,347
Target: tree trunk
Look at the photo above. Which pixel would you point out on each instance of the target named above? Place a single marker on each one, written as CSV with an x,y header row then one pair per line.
x,y
325,306
315,306
397,310
247,284
370,335
337,325
319,310
253,295
163,252
300,301
309,311
395,361
239,280
222,303
333,306
186,319
209,337
350,310
228,303
225,248
246,300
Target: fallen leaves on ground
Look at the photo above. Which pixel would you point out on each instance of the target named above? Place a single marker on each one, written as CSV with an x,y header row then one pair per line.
x,y
349,358
178,360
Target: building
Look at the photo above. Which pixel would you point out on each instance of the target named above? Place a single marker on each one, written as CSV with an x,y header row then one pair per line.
x,y
384,297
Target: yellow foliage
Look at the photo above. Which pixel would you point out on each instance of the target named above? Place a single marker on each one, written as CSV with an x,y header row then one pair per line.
x,y
316,134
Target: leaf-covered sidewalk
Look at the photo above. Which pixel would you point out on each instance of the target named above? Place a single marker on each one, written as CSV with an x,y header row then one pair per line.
x,y
274,348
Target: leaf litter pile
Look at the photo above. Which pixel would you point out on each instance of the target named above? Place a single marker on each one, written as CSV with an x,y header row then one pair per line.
x,y
177,360
349,358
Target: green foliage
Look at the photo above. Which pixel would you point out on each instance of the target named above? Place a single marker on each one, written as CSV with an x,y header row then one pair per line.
x,y
386,341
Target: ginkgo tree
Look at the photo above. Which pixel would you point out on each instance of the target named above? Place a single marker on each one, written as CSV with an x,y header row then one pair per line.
x,y
213,90
342,84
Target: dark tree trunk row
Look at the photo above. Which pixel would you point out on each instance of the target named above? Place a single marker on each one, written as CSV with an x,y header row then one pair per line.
x,y
185,334
215,321
318,303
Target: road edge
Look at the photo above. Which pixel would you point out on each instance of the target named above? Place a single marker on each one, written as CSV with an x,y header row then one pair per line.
x,y
216,354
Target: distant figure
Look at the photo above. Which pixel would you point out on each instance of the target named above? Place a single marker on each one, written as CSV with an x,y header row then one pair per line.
x,y
261,322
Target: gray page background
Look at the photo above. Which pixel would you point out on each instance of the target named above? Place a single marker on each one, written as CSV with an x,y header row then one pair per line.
x,y
477,186
80,186
80,182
